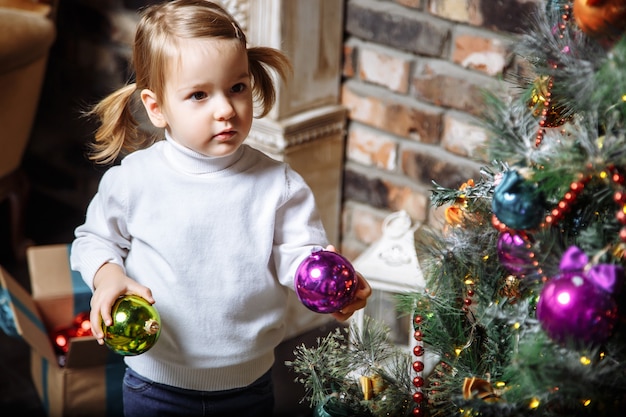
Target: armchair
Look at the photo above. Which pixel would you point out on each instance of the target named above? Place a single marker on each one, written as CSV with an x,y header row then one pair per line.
x,y
27,31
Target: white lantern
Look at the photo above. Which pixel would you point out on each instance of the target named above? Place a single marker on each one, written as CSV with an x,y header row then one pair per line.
x,y
391,267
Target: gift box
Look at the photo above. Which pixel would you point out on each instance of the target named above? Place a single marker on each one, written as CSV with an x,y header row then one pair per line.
x,y
85,381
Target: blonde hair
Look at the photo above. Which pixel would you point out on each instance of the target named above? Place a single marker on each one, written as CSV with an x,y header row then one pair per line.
x,y
156,42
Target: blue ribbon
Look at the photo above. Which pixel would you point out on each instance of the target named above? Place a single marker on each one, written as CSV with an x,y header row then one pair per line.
x,y
82,292
7,319
45,399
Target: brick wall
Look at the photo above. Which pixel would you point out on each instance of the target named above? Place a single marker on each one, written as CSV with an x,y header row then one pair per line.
x,y
413,77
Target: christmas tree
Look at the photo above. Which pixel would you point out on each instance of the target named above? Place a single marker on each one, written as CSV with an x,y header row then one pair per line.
x,y
524,307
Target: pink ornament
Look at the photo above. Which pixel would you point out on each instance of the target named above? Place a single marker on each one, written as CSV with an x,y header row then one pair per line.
x,y
325,282
571,307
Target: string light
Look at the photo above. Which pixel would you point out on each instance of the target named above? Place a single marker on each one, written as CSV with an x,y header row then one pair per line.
x,y
534,403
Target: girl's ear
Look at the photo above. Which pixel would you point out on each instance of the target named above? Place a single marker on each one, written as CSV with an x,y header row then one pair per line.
x,y
153,108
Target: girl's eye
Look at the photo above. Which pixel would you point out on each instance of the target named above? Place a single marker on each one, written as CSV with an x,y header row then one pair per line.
x,y
198,95
238,88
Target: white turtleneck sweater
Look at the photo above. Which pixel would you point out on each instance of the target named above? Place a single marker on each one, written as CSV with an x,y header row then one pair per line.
x,y
217,240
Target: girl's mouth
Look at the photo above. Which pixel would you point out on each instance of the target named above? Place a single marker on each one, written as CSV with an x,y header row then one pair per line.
x,y
225,135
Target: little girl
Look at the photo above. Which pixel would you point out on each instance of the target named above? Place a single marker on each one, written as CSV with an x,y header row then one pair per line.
x,y
210,229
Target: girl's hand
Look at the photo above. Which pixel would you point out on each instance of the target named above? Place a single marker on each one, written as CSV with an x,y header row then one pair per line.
x,y
360,297
110,282
359,302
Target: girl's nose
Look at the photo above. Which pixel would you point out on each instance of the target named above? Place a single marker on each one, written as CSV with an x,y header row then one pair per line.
x,y
224,109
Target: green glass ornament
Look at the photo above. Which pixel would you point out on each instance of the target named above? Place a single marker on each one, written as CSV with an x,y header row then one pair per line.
x,y
335,406
136,326
319,411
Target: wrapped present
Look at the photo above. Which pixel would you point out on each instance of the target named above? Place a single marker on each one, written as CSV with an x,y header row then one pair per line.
x,y
86,379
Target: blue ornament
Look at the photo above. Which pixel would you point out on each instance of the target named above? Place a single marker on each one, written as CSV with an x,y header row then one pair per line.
x,y
518,203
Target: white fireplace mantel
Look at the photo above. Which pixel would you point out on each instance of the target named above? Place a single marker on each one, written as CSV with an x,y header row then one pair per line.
x,y
306,127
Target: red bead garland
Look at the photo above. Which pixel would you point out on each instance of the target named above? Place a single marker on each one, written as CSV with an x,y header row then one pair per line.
x,y
619,196
467,302
544,113
563,206
418,367
546,116
576,188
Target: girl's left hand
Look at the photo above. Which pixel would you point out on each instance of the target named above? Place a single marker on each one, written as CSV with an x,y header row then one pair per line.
x,y
360,300
360,297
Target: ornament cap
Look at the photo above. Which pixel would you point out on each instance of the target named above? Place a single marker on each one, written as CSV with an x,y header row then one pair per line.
x,y
152,327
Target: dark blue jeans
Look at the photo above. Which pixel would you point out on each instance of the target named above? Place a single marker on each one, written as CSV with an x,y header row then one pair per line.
x,y
145,398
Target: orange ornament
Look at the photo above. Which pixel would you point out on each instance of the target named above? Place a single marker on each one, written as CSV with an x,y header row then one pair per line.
x,y
600,18
454,215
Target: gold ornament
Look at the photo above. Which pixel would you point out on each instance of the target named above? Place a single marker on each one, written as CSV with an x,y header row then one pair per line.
x,y
480,389
378,384
366,387
619,251
511,289
543,105
372,385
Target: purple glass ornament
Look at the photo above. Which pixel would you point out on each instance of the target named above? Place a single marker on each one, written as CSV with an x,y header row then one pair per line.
x,y
325,282
571,307
513,254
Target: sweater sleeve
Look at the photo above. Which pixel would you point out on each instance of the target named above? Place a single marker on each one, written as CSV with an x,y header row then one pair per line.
x,y
298,229
103,238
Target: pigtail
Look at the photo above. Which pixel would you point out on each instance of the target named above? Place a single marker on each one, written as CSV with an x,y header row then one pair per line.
x,y
260,59
118,130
